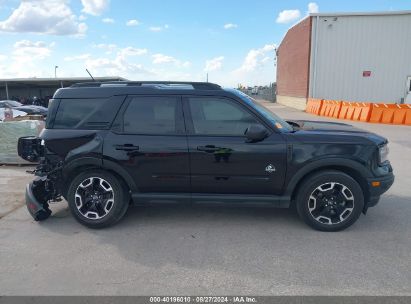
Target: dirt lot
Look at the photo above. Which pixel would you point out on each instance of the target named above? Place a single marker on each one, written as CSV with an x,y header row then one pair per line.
x,y
177,250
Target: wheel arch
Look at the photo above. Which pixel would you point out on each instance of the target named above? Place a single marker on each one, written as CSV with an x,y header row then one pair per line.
x,y
80,165
355,170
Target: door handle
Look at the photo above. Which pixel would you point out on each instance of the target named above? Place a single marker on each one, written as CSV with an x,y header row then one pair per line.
x,y
127,147
208,148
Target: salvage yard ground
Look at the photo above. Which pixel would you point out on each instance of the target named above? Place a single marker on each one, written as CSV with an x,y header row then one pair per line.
x,y
176,250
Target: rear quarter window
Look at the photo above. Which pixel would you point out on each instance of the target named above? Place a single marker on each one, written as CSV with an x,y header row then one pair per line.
x,y
92,114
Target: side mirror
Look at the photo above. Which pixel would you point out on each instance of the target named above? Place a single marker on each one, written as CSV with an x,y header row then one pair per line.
x,y
255,133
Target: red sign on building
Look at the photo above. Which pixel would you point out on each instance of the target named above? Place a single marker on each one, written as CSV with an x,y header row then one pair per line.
x,y
366,73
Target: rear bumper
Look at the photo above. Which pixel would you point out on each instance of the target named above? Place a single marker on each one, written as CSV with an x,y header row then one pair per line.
x,y
385,182
37,206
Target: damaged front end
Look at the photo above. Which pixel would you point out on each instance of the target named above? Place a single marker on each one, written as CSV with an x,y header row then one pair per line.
x,y
44,189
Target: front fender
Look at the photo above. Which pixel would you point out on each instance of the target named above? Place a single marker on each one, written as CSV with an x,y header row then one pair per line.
x,y
326,163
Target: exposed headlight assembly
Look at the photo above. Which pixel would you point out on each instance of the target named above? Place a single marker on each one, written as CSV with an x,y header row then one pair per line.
x,y
383,153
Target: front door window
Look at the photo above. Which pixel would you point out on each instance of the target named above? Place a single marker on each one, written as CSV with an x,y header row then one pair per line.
x,y
218,116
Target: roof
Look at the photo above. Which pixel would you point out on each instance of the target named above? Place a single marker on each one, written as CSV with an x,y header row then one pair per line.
x,y
108,89
156,84
381,13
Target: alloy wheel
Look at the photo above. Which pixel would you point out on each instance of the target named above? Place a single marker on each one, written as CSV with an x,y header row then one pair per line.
x,y
331,203
94,198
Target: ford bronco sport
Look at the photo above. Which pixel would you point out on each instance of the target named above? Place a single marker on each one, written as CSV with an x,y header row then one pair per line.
x,y
107,145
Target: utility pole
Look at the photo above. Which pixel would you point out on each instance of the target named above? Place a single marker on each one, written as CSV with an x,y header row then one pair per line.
x,y
207,76
7,90
55,71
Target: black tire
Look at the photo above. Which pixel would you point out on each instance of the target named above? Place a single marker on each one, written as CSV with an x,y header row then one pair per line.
x,y
328,210
119,199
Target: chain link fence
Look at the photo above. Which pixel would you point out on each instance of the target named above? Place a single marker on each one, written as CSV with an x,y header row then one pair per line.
x,y
262,92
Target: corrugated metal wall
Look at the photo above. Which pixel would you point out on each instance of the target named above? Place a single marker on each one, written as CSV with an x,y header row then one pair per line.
x,y
345,46
27,92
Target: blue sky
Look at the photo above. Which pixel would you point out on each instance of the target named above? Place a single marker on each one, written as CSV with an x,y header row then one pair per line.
x,y
232,40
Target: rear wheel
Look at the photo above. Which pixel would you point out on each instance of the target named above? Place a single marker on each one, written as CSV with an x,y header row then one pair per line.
x,y
97,199
330,201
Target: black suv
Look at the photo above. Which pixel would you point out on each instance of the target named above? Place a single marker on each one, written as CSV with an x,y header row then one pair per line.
x,y
108,144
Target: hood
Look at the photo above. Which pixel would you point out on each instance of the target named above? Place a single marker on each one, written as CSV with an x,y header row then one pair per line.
x,y
336,129
308,125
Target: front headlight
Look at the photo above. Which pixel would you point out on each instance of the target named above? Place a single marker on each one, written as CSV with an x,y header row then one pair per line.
x,y
383,152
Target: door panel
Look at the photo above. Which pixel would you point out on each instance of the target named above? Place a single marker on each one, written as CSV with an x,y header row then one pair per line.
x,y
221,160
156,163
149,141
230,165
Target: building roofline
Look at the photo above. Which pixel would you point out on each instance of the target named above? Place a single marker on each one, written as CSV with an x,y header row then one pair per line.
x,y
377,13
346,14
291,27
71,79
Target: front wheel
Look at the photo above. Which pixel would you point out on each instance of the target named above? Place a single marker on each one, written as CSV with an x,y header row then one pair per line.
x,y
97,198
330,201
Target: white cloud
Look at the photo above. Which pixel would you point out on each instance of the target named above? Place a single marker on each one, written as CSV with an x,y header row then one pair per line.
x,y
257,68
288,16
108,20
120,65
131,51
26,50
265,59
186,64
163,59
132,22
214,64
131,62
27,59
256,58
160,58
228,26
158,28
313,8
108,47
44,17
77,57
82,17
94,7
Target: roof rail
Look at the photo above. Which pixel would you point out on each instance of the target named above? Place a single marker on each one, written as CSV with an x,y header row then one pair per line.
x,y
158,84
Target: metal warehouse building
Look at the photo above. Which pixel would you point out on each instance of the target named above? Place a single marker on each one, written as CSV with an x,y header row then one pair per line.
x,y
362,57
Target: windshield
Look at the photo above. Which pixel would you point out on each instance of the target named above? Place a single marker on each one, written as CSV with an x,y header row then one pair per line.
x,y
280,123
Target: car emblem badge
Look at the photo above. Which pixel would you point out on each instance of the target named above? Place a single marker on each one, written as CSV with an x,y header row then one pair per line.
x,y
270,168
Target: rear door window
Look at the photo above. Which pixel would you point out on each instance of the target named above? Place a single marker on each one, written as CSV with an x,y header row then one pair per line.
x,y
153,115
